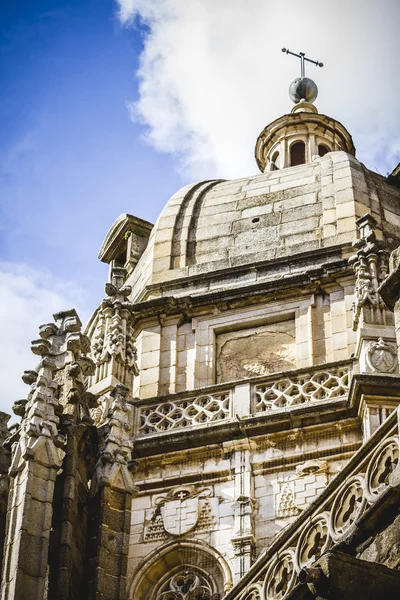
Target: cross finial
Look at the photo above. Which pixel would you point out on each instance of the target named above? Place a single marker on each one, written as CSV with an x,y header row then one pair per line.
x,y
303,58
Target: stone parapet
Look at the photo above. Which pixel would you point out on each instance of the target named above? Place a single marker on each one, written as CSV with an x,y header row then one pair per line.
x,y
243,399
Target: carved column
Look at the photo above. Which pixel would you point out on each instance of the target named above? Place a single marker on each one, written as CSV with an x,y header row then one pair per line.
x,y
36,458
112,491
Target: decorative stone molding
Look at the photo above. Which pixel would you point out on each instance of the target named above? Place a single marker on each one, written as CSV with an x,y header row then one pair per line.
x,y
254,593
128,236
286,505
370,264
114,466
280,577
312,467
244,545
317,386
313,541
175,557
112,341
182,413
347,507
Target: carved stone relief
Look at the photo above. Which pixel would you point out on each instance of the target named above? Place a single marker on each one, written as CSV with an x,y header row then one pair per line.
x,y
182,511
381,357
260,350
286,505
295,492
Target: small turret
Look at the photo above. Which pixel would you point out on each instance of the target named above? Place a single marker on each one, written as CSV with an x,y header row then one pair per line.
x,y
299,137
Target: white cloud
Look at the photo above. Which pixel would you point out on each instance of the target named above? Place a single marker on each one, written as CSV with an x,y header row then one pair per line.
x,y
29,297
212,74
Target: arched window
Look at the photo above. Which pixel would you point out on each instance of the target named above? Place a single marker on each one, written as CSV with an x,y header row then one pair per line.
x,y
322,150
275,161
184,570
297,154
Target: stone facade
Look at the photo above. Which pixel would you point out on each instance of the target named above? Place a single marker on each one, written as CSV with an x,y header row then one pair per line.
x,y
226,426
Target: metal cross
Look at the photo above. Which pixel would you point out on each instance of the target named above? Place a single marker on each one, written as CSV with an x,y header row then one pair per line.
x,y
303,58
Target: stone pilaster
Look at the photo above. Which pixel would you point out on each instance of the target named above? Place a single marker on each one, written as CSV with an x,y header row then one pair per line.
x,y
243,540
112,491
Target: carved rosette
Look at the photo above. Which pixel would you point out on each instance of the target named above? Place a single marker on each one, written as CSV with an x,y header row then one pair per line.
x,y
347,507
313,541
281,576
370,264
381,466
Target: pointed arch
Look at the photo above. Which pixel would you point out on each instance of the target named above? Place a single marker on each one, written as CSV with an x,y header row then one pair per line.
x,y
172,556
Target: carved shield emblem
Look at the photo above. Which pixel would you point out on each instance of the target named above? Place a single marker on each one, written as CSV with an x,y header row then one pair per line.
x,y
180,515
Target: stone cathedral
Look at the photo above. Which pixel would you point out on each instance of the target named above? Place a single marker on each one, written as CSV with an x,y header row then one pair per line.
x,y
227,425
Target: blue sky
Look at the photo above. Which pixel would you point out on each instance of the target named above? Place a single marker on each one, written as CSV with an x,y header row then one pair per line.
x,y
71,159
109,106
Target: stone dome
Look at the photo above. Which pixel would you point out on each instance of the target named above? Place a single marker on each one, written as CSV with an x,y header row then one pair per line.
x,y
218,234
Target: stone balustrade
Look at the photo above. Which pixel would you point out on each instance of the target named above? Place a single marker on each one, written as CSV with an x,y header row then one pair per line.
x,y
332,519
243,399
320,384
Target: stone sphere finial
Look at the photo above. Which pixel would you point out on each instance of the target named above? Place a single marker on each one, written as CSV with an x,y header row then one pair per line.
x,y
303,88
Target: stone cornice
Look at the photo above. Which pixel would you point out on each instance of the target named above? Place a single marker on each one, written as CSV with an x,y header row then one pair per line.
x,y
279,282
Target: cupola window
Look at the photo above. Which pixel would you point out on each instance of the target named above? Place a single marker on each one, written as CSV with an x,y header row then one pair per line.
x,y
275,161
322,150
297,154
